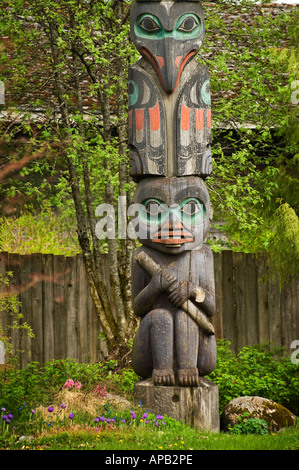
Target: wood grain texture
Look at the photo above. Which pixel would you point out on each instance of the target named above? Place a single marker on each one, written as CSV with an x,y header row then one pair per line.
x,y
48,324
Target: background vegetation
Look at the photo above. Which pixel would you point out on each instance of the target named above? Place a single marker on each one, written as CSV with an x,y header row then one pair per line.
x,y
63,139
64,404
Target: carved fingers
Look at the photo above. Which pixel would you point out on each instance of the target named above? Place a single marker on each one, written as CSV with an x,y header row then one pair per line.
x,y
181,291
163,279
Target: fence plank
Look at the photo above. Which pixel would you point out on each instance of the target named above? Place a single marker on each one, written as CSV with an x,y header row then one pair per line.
x,y
262,301
228,299
48,307
218,319
274,299
37,306
14,288
83,294
250,304
240,299
71,308
59,308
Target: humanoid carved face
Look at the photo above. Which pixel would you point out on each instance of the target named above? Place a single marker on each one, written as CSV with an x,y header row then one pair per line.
x,y
168,34
175,213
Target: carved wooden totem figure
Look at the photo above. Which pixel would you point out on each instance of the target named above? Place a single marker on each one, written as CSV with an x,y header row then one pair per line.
x,y
169,93
170,155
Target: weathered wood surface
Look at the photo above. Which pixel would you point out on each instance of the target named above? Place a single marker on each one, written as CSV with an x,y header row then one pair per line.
x,y
56,303
250,307
195,406
169,92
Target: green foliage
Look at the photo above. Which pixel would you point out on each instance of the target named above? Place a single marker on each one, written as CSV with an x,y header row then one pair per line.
x,y
286,234
253,64
44,232
17,326
255,129
259,370
36,384
248,425
75,427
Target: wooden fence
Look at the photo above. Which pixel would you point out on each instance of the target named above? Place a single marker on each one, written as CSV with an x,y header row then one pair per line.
x,y
251,306
55,301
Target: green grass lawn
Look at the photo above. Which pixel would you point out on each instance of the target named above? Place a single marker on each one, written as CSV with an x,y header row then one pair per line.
x,y
180,438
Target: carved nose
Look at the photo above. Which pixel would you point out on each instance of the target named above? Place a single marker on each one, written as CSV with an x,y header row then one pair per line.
x,y
172,224
173,232
167,66
173,63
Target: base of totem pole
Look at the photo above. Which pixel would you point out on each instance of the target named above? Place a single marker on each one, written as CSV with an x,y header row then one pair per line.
x,y
197,407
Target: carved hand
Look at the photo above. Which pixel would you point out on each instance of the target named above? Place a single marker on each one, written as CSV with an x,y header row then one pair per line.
x,y
162,279
181,291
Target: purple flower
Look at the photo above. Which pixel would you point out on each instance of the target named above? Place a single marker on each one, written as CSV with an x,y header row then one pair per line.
x,y
7,421
156,424
159,417
63,406
107,420
145,415
133,415
10,416
123,420
50,409
71,415
4,417
102,418
96,420
3,409
32,412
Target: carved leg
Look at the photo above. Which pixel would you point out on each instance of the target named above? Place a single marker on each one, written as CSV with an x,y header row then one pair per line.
x,y
207,353
187,338
153,347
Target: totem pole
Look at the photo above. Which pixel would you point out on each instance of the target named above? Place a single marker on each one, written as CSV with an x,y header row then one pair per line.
x,y
170,156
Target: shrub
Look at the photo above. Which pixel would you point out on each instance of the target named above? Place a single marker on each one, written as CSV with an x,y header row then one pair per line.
x,y
36,384
259,370
247,425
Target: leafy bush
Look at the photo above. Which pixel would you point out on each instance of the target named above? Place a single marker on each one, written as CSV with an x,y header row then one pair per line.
x,y
259,370
45,232
37,384
248,425
10,304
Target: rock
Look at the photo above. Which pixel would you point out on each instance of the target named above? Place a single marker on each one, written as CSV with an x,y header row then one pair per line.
x,y
276,416
25,438
120,402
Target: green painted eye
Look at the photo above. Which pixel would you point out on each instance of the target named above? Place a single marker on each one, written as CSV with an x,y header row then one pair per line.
x,y
149,25
188,24
153,207
193,209
155,210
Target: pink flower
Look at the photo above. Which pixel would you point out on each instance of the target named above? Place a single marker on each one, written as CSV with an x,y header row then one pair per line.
x,y
70,384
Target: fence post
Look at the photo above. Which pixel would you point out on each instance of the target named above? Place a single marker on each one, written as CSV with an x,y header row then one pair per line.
x,y
2,92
